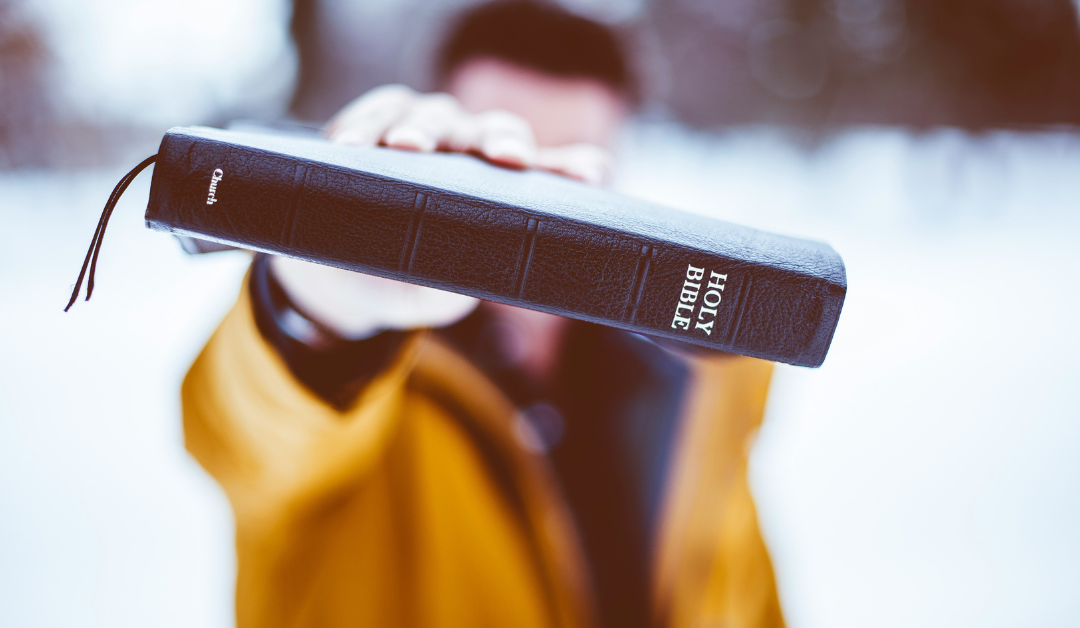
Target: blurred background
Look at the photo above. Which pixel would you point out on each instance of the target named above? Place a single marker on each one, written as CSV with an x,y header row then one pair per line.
x,y
926,475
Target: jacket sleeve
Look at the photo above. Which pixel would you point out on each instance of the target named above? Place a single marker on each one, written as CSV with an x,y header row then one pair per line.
x,y
270,442
713,566
385,513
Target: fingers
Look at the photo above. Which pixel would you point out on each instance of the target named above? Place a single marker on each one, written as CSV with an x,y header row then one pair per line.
x,y
505,139
429,124
365,121
584,162
397,116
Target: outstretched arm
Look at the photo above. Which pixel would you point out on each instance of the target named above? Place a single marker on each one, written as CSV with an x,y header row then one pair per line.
x,y
359,306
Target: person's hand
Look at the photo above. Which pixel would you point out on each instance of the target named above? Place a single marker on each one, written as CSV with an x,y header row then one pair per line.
x,y
356,305
398,117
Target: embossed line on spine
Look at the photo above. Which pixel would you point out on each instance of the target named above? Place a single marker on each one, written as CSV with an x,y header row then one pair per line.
x,y
637,289
289,226
527,247
744,292
412,236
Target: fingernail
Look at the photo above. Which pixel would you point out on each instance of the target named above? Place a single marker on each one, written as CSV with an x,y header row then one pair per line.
x,y
410,138
509,151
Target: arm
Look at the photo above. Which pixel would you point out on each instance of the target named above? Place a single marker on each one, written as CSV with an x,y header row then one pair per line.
x,y
271,442
267,399
356,306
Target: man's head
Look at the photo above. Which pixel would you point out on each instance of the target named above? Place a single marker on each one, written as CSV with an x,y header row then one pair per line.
x,y
565,74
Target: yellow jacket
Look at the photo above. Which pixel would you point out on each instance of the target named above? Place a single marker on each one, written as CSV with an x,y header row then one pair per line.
x,y
386,515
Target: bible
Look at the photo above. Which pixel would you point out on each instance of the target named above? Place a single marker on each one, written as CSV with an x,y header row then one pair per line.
x,y
525,238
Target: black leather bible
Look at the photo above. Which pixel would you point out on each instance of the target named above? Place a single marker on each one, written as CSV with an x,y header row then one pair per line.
x,y
528,238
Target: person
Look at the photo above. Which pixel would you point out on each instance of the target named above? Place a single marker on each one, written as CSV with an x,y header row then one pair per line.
x,y
400,456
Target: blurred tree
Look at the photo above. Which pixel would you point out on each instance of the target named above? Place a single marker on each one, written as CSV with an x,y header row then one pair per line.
x,y
815,64
1007,61
25,106
304,28
821,63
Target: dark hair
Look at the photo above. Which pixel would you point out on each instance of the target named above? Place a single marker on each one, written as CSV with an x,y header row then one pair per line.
x,y
540,36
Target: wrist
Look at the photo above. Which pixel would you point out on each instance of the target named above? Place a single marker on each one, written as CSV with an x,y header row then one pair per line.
x,y
357,306
334,368
324,296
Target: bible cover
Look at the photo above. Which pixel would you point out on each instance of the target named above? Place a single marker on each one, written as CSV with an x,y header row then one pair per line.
x,y
530,239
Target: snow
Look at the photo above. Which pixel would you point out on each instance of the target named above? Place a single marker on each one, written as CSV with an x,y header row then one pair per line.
x,y
926,475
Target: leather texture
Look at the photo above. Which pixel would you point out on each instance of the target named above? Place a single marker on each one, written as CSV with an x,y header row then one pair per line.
x,y
530,238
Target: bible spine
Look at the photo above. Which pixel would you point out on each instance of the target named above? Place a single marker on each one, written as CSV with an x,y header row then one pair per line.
x,y
323,212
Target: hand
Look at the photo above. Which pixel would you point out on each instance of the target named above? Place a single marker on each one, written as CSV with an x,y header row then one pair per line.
x,y
356,305
398,117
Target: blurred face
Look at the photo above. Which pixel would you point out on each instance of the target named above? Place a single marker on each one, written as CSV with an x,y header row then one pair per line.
x,y
560,110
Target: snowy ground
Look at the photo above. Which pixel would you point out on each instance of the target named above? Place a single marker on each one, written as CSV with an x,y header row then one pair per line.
x,y
927,475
